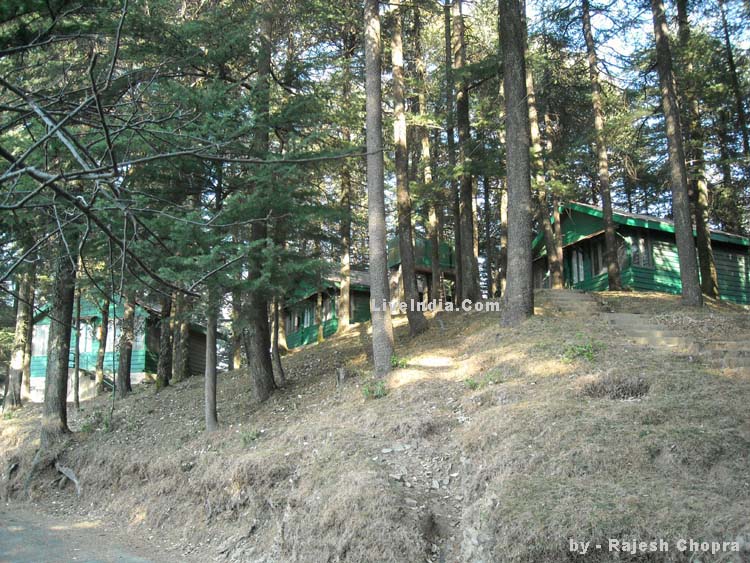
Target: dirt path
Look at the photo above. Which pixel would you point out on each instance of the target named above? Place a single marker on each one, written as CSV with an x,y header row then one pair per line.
x,y
29,537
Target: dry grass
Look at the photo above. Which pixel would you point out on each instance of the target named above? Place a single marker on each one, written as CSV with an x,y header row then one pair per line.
x,y
534,452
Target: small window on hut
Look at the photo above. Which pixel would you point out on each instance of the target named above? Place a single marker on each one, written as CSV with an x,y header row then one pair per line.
x,y
597,257
39,340
328,309
642,251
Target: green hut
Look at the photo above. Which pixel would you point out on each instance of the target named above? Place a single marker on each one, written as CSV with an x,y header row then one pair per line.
x,y
647,254
145,347
299,314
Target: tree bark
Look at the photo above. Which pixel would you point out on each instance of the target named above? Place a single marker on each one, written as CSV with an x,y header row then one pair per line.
x,y
55,410
426,162
258,334
416,319
610,236
557,229
502,259
164,365
24,313
236,338
345,228
382,330
519,294
180,325
537,164
691,290
734,82
730,213
125,346
278,322
26,383
319,315
212,313
458,289
469,267
77,353
101,340
489,248
696,165
258,348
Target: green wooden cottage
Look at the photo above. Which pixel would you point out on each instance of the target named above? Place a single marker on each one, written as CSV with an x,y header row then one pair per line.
x,y
647,254
299,314
145,347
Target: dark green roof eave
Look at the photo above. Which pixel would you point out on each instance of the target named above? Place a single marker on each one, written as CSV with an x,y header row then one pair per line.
x,y
653,224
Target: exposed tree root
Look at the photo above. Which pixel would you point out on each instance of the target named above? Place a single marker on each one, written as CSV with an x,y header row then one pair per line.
x,y
70,474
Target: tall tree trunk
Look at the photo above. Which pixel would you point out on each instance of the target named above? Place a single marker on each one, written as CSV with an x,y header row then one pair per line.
x,y
426,162
319,315
697,184
734,82
55,410
345,228
556,225
344,306
382,330
610,236
691,290
258,334
180,338
258,350
125,346
537,164
519,294
212,314
276,343
26,383
164,365
458,289
77,352
489,248
731,214
101,341
502,260
417,321
236,338
557,228
24,313
469,267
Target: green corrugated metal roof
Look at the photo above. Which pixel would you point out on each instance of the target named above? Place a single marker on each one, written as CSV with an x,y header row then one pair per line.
x,y
644,221
649,222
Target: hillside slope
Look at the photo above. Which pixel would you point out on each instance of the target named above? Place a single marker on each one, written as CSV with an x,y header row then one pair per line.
x,y
491,444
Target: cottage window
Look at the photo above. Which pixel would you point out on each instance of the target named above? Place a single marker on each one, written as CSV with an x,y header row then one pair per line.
x,y
87,339
577,263
642,252
39,340
327,309
597,256
139,339
113,332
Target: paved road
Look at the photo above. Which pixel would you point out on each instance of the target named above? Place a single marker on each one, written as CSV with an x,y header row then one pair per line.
x,y
28,537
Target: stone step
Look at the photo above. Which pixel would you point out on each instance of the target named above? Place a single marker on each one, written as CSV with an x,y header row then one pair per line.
x,y
716,353
662,341
741,345
626,318
729,362
651,332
